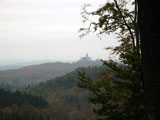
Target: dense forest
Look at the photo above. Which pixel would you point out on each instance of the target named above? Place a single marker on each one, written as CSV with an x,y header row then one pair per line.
x,y
21,106
67,101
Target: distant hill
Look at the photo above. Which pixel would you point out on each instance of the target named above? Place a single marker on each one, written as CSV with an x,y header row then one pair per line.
x,y
34,74
6,67
17,65
65,98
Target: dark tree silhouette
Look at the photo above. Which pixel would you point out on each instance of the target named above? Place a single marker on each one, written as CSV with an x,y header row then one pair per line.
x,y
150,37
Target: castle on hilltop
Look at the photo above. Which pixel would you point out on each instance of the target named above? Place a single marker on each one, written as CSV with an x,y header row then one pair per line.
x,y
86,58
87,61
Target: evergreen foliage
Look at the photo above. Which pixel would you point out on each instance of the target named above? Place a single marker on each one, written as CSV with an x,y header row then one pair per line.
x,y
20,106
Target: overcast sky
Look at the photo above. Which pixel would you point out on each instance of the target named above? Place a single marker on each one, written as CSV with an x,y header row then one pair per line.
x,y
33,30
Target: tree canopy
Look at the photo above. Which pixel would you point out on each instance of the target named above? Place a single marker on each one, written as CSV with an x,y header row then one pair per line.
x,y
118,93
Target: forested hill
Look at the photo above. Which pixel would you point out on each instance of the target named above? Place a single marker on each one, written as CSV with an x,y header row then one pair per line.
x,y
66,100
34,74
21,106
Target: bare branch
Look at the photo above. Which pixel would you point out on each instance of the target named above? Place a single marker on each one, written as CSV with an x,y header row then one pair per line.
x,y
129,29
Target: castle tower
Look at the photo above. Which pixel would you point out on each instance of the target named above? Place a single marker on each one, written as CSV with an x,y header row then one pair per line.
x,y
86,58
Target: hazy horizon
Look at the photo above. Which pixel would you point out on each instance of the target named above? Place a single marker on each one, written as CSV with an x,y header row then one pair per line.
x,y
40,61
33,30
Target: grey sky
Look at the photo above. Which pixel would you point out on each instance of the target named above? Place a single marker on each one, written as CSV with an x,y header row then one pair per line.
x,y
46,29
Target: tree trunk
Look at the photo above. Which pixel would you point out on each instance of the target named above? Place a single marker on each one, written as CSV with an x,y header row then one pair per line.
x,y
148,14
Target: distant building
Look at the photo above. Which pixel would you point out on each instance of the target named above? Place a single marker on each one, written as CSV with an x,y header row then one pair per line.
x,y
86,58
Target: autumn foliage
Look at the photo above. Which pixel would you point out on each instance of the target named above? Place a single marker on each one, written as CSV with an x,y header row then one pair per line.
x,y
118,93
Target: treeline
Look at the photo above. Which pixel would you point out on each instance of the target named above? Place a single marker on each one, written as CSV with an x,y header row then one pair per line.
x,y
9,98
7,86
35,74
21,106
